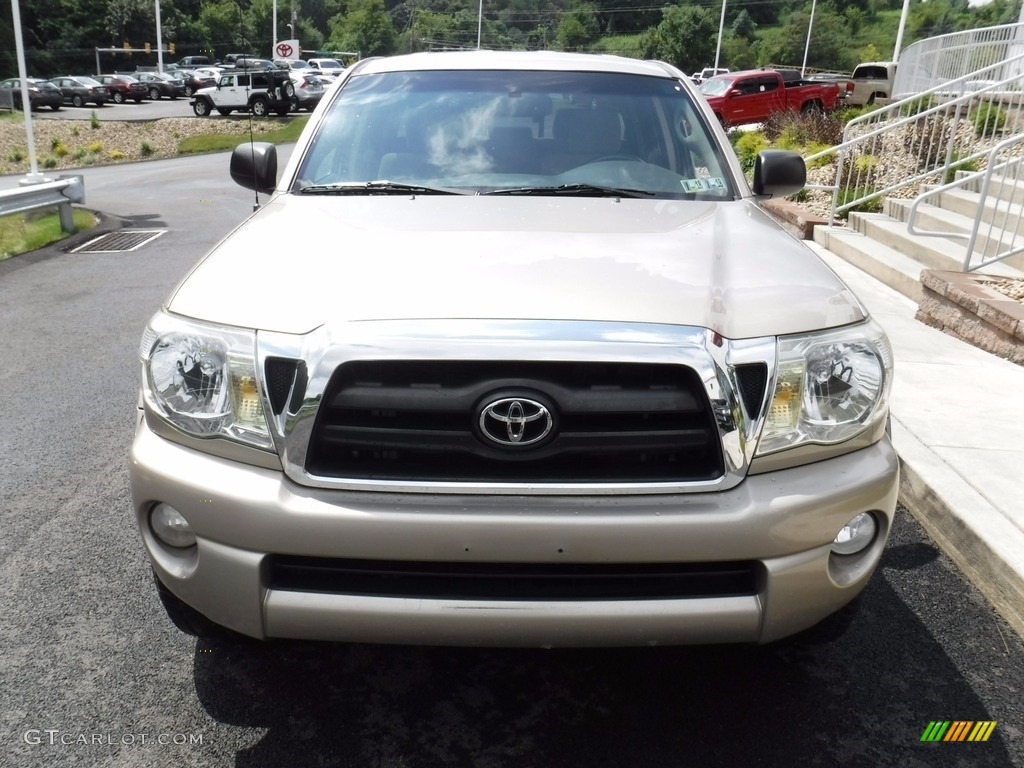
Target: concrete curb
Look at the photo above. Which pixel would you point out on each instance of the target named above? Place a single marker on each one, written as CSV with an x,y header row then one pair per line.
x,y
967,527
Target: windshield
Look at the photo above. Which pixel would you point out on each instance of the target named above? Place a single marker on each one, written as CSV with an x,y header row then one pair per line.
x,y
716,86
533,131
330,64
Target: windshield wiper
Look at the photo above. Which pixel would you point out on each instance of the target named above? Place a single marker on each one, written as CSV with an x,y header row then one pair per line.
x,y
381,187
580,190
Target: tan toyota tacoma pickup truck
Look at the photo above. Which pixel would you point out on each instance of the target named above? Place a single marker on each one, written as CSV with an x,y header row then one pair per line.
x,y
510,355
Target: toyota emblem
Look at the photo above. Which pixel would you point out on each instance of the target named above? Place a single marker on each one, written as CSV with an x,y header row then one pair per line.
x,y
514,422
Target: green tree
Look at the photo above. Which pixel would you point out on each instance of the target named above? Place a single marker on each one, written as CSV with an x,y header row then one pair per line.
x,y
578,28
829,48
686,37
366,28
743,26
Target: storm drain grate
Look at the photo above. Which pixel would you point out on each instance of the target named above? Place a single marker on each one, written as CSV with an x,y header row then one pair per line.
x,y
119,242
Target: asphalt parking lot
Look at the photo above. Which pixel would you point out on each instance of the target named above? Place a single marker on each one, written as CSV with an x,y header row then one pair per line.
x,y
144,110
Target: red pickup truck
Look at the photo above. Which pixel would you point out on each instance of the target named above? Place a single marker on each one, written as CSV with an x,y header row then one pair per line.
x,y
738,98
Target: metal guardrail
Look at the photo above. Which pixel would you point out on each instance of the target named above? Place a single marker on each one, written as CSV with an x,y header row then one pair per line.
x,y
46,194
996,231
937,60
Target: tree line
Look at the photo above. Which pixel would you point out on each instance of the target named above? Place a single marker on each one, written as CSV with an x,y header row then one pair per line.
x,y
63,38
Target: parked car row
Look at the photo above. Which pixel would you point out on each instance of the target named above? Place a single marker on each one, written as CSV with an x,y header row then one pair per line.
x,y
80,90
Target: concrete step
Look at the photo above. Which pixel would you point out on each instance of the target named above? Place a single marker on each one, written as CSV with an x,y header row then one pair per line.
x,y
1002,187
885,264
1001,229
930,252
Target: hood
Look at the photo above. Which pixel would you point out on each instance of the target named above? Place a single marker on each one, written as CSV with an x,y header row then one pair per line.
x,y
302,262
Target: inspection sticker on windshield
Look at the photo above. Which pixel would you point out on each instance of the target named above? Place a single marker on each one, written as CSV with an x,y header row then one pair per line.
x,y
715,183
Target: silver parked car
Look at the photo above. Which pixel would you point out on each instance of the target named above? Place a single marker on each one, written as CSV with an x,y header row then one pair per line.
x,y
551,377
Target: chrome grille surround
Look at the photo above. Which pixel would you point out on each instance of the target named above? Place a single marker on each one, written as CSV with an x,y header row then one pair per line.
x,y
712,358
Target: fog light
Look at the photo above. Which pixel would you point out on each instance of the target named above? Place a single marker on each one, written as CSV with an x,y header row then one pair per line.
x,y
171,527
856,535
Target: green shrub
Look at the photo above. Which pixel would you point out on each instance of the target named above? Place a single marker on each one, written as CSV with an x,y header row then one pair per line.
x,y
794,130
747,146
869,205
95,147
16,155
50,162
60,149
146,149
79,154
970,166
988,119
94,120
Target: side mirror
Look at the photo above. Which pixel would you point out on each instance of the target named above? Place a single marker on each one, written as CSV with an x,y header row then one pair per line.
x,y
779,172
254,166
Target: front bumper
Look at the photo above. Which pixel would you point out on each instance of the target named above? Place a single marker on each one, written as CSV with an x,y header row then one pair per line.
x,y
785,521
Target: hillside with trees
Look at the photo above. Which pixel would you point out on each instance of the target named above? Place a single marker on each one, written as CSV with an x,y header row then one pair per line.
x,y
61,38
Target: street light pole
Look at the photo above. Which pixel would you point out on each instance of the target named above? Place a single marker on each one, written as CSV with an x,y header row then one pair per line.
x,y
721,27
159,42
479,24
807,46
273,34
34,176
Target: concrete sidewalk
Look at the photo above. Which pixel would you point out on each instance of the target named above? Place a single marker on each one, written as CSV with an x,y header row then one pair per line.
x,y
958,426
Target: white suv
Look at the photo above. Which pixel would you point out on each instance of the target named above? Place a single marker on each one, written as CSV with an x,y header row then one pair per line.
x,y
512,356
258,91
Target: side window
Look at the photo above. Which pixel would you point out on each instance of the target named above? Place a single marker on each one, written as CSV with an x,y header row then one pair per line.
x,y
746,87
225,82
768,84
243,81
259,81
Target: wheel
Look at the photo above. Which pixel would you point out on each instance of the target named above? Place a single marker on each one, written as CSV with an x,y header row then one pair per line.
x,y
55,107
77,101
138,99
189,91
174,96
154,94
259,106
224,112
288,89
201,107
118,97
282,111
293,105
811,108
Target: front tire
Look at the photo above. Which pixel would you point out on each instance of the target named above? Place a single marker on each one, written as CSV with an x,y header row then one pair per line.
x,y
201,107
259,107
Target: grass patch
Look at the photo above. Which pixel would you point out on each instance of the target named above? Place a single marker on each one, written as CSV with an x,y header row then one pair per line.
x,y
21,233
219,142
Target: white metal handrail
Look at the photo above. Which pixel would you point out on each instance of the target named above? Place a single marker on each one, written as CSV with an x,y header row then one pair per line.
x,y
917,139
1001,237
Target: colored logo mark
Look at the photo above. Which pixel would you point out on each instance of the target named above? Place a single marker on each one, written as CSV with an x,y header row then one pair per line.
x,y
958,730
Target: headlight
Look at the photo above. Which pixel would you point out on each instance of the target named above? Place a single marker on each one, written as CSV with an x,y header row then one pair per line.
x,y
202,379
829,387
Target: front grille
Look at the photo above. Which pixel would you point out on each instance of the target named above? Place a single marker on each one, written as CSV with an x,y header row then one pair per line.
x,y
419,421
512,581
